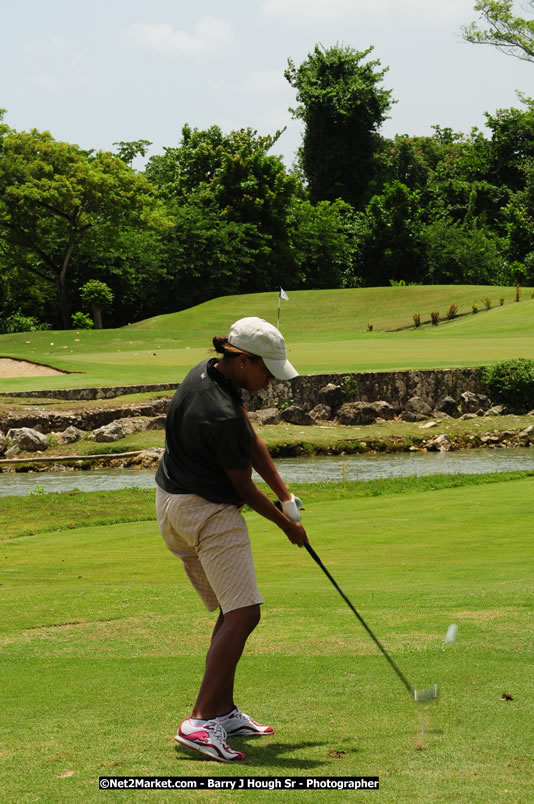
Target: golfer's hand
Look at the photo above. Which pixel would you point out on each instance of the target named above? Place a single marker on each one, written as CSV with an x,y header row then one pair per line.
x,y
291,508
295,533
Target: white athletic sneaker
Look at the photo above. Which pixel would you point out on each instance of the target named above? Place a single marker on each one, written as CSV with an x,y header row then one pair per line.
x,y
237,723
209,739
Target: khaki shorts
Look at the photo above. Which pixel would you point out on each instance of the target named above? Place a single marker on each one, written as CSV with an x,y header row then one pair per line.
x,y
213,543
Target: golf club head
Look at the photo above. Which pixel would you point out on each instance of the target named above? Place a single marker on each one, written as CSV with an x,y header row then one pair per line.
x,y
430,694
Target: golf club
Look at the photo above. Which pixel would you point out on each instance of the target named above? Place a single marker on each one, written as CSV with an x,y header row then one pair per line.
x,y
418,695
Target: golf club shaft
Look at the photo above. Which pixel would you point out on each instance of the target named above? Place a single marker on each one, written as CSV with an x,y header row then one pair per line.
x,y
316,558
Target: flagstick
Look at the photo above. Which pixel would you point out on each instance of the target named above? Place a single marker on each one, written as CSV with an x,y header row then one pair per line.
x,y
278,316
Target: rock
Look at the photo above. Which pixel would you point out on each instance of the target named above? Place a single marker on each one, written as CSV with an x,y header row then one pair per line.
x,y
25,438
156,423
383,410
296,415
490,438
527,435
109,432
321,413
417,405
356,413
266,416
428,425
471,403
134,424
467,416
3,443
147,459
496,410
441,443
449,406
408,416
70,435
331,395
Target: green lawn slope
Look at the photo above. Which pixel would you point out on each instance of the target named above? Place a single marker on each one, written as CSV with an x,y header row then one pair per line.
x,y
326,331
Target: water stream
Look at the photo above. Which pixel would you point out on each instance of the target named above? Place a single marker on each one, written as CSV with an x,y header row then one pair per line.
x,y
293,470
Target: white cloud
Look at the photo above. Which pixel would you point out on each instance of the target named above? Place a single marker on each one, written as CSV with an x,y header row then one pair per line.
x,y
210,36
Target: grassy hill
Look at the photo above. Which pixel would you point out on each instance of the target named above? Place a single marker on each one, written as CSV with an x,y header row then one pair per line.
x,y
326,331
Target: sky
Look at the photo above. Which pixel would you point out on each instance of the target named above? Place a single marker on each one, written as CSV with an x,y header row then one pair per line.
x,y
99,72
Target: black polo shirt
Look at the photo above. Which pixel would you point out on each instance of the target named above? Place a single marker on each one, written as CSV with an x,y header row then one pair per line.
x,y
206,433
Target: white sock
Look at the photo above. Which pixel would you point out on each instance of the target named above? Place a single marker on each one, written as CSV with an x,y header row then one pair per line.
x,y
195,721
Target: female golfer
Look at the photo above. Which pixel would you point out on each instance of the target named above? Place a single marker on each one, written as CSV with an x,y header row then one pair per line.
x,y
203,480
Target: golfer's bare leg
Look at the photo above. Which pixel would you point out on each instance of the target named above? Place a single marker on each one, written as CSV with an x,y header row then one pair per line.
x,y
228,640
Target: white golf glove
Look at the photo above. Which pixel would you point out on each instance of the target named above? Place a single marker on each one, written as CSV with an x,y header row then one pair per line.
x,y
291,508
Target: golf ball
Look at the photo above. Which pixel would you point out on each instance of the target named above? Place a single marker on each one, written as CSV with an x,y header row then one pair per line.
x,y
451,634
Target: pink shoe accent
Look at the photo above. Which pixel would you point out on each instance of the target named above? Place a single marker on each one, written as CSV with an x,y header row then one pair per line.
x,y
201,736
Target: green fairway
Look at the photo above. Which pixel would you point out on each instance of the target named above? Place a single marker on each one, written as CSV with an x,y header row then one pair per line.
x,y
102,645
326,331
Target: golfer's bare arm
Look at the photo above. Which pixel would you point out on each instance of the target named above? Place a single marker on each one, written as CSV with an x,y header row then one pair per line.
x,y
247,491
264,466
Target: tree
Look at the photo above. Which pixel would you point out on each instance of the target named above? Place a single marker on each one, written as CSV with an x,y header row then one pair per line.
x,y
129,150
461,254
237,197
512,144
52,194
390,239
509,34
98,296
324,242
342,105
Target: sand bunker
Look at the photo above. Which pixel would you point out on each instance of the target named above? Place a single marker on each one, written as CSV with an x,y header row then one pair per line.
x,y
24,368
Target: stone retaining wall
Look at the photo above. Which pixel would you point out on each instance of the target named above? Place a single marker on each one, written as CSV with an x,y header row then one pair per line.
x,y
46,421
395,387
88,394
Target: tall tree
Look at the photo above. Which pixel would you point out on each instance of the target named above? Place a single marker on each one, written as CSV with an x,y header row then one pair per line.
x,y
325,244
237,196
343,104
52,194
507,32
391,236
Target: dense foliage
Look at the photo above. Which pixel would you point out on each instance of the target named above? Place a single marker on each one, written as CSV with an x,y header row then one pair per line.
x,y
217,213
512,383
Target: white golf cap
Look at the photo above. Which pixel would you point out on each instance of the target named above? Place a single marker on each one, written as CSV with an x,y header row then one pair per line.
x,y
258,337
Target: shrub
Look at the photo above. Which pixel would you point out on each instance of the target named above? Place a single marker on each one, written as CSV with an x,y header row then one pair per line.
x,y
474,307
435,319
18,322
487,303
501,301
82,321
349,386
417,319
511,382
453,311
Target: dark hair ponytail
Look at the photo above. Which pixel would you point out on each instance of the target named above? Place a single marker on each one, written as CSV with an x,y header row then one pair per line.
x,y
219,343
